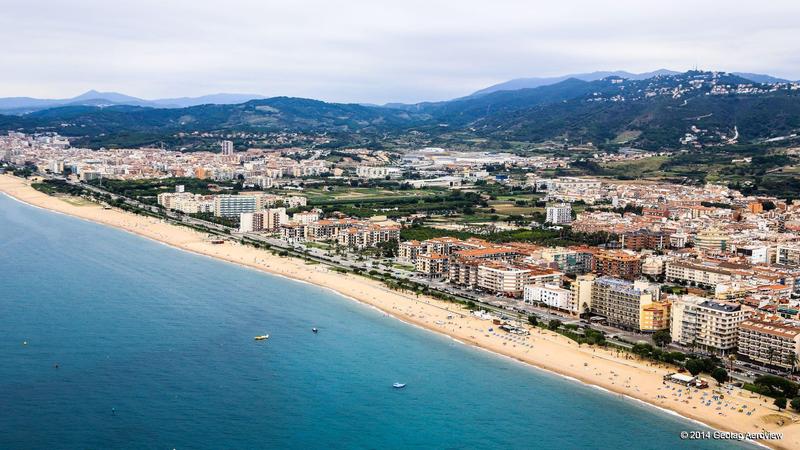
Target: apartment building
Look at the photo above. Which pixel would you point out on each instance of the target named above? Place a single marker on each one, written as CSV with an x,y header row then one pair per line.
x,y
569,260
464,272
644,239
755,254
700,274
711,240
788,255
769,342
186,202
705,324
621,302
306,218
226,147
294,232
364,235
581,293
409,251
379,172
559,214
654,316
617,264
433,265
267,220
503,278
329,229
551,295
234,205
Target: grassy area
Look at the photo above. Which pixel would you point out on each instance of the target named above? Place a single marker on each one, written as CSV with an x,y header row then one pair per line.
x,y
641,168
563,237
346,193
76,201
626,136
319,245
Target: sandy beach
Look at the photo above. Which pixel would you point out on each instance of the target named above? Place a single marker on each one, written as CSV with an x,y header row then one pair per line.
x,y
729,410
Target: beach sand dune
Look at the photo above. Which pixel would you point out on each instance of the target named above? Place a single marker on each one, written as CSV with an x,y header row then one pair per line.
x,y
723,409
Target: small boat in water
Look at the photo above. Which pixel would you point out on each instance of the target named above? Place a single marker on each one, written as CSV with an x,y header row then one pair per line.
x,y
399,385
314,330
262,338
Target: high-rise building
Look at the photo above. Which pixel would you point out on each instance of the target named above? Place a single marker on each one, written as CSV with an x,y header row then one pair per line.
x,y
559,214
622,302
581,298
706,324
617,264
769,342
233,205
227,148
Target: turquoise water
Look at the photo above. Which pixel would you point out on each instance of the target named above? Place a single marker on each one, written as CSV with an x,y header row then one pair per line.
x,y
155,349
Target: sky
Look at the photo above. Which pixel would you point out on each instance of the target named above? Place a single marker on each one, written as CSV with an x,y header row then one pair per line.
x,y
374,51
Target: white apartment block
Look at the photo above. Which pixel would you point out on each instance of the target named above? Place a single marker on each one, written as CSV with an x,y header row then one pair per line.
x,y
560,214
186,202
551,295
227,148
305,218
379,172
706,324
503,278
699,274
755,254
267,220
295,201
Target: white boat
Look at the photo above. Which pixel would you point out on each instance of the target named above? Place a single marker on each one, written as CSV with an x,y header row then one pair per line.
x,y
262,338
399,385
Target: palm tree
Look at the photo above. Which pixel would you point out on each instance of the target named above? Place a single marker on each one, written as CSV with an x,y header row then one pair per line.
x,y
731,359
771,354
792,359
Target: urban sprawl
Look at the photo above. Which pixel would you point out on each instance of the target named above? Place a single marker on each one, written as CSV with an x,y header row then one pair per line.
x,y
718,270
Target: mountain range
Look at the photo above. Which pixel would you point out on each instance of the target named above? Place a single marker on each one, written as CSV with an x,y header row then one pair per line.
x,y
652,111
526,83
24,105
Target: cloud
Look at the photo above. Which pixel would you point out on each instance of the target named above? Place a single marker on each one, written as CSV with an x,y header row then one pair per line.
x,y
373,51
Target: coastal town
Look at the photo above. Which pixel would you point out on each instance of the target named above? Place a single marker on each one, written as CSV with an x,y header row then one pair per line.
x,y
698,276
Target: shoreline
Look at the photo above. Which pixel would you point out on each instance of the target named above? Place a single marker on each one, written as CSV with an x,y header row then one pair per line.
x,y
595,367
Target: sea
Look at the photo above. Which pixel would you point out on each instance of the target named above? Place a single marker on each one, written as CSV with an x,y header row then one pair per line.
x,y
113,341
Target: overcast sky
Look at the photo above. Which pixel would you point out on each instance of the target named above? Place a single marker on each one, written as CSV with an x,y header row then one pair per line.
x,y
373,50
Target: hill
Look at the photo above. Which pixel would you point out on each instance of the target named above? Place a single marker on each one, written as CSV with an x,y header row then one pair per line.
x,y
693,109
25,105
529,83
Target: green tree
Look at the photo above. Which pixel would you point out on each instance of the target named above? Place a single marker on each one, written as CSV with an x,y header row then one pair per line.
x,y
720,374
780,402
796,404
662,337
554,324
533,320
694,366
